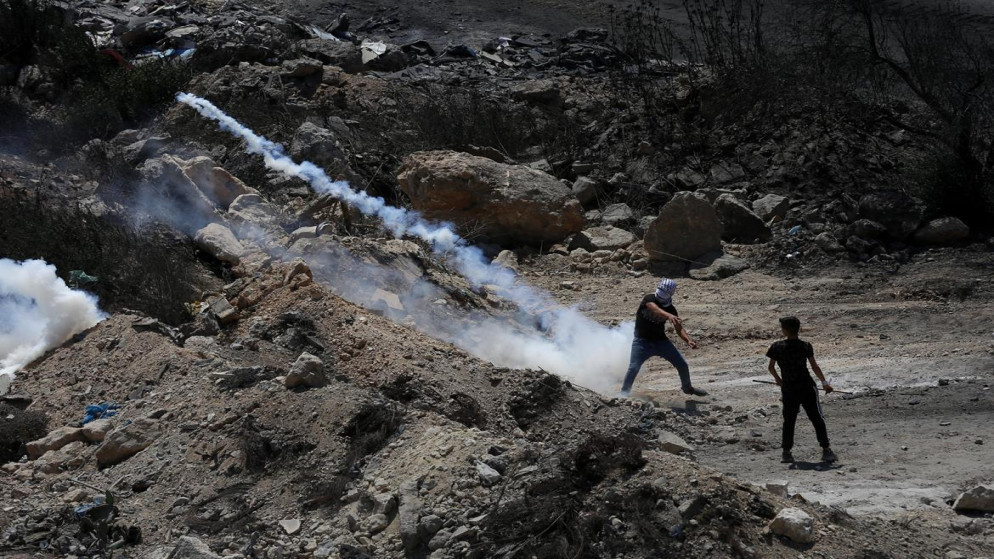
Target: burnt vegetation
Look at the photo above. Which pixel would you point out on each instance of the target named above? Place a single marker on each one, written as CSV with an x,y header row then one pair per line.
x,y
927,70
124,266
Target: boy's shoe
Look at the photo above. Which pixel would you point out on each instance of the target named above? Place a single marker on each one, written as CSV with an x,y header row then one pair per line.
x,y
695,391
625,394
828,456
787,457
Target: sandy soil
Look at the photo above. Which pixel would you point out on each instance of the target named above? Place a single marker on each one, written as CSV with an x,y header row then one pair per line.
x,y
905,442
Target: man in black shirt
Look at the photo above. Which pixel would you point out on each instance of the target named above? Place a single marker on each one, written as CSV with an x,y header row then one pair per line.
x,y
797,386
654,311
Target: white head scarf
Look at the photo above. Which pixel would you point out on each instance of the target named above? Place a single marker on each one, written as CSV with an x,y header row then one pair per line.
x,y
665,291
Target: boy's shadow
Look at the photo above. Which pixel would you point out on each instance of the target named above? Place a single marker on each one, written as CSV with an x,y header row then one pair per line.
x,y
814,466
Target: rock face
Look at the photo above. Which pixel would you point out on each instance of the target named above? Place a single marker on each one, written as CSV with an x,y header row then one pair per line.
x,y
124,442
740,224
899,213
942,231
980,499
602,238
307,371
686,228
771,206
220,242
500,203
794,524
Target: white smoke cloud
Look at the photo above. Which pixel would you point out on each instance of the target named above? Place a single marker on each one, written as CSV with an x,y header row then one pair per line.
x,y
38,312
559,340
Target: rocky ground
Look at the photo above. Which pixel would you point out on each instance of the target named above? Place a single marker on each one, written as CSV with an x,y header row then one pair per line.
x,y
295,382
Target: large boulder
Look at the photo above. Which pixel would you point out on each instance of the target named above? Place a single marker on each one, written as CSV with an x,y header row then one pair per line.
x,y
343,54
54,440
686,228
218,241
497,202
794,524
771,207
187,201
739,222
942,231
978,499
307,372
898,212
215,182
126,441
602,238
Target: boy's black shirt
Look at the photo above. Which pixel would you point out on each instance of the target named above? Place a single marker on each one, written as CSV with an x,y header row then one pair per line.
x,y
792,357
647,326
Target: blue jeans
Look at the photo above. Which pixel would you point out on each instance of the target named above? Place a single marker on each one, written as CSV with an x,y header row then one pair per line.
x,y
643,349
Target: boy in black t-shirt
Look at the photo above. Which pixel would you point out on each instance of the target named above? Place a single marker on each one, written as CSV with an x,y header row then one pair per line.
x,y
797,386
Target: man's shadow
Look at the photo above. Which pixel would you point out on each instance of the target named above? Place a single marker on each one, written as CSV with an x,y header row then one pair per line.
x,y
814,466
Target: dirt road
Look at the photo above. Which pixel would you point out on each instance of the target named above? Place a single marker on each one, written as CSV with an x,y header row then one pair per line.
x,y
917,429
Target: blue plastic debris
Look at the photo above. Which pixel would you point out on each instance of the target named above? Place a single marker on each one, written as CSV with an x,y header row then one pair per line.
x,y
794,230
99,411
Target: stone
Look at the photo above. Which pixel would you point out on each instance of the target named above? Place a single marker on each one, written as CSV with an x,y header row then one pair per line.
x,y
166,174
717,266
488,475
539,92
673,444
942,231
685,229
343,54
602,238
218,241
96,430
318,145
126,441
253,208
220,186
439,540
507,259
586,190
739,223
689,179
827,242
408,512
498,203
223,310
617,215
867,229
188,547
429,526
723,172
898,212
794,524
54,440
307,371
692,507
778,489
290,525
978,499
771,207
301,67
376,523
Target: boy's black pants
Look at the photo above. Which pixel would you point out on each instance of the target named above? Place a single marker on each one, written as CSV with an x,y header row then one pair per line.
x,y
797,397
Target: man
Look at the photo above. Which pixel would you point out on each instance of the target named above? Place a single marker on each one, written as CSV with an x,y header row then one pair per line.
x,y
797,387
654,311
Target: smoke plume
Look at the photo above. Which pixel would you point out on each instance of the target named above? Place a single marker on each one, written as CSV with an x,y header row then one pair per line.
x,y
38,312
561,340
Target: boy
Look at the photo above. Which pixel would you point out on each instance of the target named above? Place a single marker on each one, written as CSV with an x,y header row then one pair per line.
x,y
654,311
797,386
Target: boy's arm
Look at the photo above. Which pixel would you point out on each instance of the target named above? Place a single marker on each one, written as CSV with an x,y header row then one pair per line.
x,y
773,371
817,370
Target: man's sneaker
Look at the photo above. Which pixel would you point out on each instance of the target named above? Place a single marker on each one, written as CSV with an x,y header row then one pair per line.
x,y
787,457
828,456
624,394
695,391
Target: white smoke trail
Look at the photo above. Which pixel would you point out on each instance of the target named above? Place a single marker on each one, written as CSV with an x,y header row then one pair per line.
x,y
38,312
572,346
